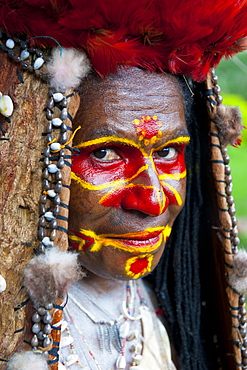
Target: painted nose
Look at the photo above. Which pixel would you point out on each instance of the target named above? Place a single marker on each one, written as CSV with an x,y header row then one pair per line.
x,y
146,199
145,195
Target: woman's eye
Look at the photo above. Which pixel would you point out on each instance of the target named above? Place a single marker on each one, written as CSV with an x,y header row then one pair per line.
x,y
105,155
167,153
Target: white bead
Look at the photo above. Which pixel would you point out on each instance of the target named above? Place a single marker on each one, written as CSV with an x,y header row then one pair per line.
x,y
124,329
49,216
136,368
66,341
51,193
121,363
24,54
71,359
38,63
55,146
137,359
56,122
58,97
52,168
2,284
6,105
10,43
47,241
133,334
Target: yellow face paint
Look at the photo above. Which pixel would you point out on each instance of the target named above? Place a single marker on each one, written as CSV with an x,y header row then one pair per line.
x,y
142,242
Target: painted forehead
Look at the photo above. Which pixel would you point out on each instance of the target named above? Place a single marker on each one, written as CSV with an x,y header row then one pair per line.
x,y
113,103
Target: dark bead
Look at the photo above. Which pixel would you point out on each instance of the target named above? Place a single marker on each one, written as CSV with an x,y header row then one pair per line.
x,y
48,138
53,234
241,299
24,65
34,341
243,332
64,103
57,200
245,343
36,317
42,311
228,170
244,361
49,306
226,159
56,211
49,128
42,208
64,114
41,233
45,174
58,187
47,151
36,328
23,44
40,335
219,99
41,248
59,176
230,200
236,241
42,222
243,320
229,189
234,250
16,58
49,114
63,138
60,163
242,311
232,210
234,231
31,50
63,127
47,319
234,221
43,199
46,185
228,179
39,53
50,103
224,150
53,223
62,153
46,161
46,342
47,329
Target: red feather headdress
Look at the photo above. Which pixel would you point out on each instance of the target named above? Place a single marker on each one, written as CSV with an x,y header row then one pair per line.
x,y
180,36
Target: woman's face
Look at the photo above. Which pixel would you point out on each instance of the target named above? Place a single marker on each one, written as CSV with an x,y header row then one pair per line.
x,y
128,173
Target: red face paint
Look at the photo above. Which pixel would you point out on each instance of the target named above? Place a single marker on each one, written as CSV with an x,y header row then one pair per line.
x,y
139,265
136,180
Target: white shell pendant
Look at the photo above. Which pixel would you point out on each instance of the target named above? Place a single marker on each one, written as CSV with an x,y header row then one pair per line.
x,y
2,284
38,63
124,329
71,360
66,341
121,363
6,105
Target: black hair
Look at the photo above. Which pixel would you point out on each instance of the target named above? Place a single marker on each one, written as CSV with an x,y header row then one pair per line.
x,y
177,279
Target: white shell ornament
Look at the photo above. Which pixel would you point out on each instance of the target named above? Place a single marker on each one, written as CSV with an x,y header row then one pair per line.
x,y
2,284
24,54
10,44
38,63
121,363
58,97
6,105
71,360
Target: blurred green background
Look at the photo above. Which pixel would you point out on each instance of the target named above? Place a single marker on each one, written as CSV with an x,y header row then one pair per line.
x,y
232,76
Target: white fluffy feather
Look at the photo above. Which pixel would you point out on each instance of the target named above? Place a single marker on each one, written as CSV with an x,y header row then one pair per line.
x,y
239,275
67,68
27,361
47,277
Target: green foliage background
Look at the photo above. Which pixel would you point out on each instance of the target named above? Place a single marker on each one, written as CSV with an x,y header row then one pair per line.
x,y
232,76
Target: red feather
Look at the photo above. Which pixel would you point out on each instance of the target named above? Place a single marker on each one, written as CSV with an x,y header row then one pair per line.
x,y
180,36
